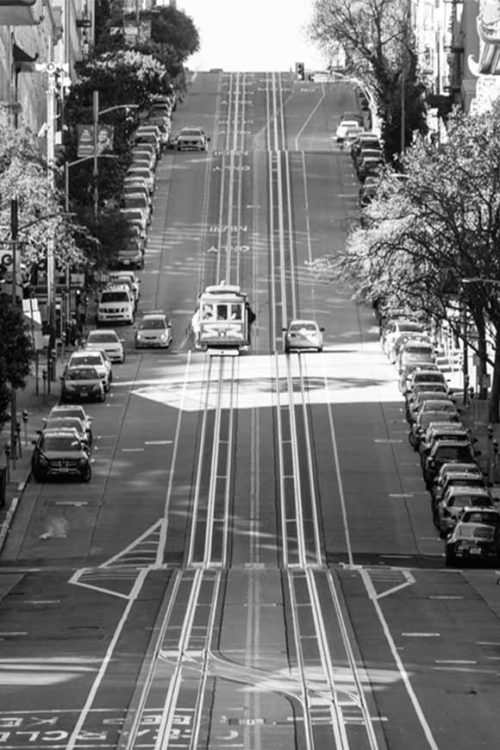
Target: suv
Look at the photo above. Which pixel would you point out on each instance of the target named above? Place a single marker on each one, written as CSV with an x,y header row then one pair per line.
x,y
191,139
476,536
60,453
448,510
116,304
126,277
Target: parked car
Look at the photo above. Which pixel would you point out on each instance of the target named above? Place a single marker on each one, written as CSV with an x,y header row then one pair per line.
x,y
471,468
97,359
447,511
345,125
415,350
60,453
141,158
421,375
56,424
139,216
350,136
130,255
435,434
138,202
422,421
368,190
369,166
154,330
144,173
81,383
399,327
61,411
446,451
303,334
455,479
420,401
475,538
126,277
367,140
107,341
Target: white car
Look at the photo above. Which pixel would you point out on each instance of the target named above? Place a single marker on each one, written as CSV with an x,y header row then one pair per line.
x,y
191,139
129,277
144,173
303,334
343,127
76,411
97,359
107,341
154,330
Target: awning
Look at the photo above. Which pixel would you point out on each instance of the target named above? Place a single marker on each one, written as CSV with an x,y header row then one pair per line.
x,y
20,12
23,62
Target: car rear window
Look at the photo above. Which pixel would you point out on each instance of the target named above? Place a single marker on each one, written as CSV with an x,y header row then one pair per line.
x,y
82,373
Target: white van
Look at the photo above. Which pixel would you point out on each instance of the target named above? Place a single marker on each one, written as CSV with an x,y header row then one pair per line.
x,y
116,304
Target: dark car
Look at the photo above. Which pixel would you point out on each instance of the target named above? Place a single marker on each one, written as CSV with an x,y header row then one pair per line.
x,y
61,453
446,451
475,538
82,383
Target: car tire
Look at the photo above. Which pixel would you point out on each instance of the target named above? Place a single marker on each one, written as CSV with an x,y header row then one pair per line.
x,y
86,475
38,476
122,361
450,558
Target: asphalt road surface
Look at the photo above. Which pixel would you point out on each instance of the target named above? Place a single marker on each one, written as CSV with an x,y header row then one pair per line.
x,y
253,564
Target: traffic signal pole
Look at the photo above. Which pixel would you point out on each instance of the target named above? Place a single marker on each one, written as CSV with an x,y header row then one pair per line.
x,y
51,302
13,395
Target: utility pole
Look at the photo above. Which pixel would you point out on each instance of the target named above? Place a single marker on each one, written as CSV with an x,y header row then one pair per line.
x,y
51,280
13,397
95,171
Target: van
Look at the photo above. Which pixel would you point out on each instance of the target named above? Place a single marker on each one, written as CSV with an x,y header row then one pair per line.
x,y
116,305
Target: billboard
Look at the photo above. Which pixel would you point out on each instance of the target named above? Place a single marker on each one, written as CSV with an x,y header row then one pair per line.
x,y
105,136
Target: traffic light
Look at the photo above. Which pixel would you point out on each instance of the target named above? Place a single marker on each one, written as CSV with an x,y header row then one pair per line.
x,y
300,71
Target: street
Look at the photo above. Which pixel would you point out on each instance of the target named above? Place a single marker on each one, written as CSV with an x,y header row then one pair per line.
x,y
254,563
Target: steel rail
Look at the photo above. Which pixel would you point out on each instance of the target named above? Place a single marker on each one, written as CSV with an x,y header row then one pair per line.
x,y
174,685
351,659
318,548
231,417
302,677
199,466
337,718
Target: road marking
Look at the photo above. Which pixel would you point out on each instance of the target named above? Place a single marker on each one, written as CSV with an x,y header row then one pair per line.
x,y
421,635
387,440
448,597
157,442
132,450
400,494
455,661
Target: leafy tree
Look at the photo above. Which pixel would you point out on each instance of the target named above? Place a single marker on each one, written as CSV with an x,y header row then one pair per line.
x,y
174,28
379,48
424,234
16,353
41,217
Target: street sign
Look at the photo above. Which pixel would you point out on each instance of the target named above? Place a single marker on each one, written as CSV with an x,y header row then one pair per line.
x,y
86,139
6,258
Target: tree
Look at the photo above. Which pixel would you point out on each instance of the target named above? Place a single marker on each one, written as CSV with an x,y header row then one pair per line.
x,y
379,47
41,217
16,353
174,28
440,224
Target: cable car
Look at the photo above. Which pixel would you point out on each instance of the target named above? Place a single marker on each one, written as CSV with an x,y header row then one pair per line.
x,y
222,320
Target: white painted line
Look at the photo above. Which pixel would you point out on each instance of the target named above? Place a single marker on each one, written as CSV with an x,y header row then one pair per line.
x,y
455,661
9,634
421,635
487,643
132,450
446,597
387,441
401,494
157,442
370,589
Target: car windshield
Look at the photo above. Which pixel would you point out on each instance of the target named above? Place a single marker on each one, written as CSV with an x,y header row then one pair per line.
x,y
190,132
428,378
82,373
59,443
462,501
114,297
61,422
86,359
102,338
152,323
303,327
420,350
438,405
453,452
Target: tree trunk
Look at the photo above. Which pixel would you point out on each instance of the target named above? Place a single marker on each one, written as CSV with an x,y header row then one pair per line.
x,y
495,388
482,354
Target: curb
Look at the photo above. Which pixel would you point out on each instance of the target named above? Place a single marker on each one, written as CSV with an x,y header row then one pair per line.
x,y
10,514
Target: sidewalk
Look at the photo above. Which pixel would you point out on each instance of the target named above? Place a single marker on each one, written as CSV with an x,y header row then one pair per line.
x,y
37,406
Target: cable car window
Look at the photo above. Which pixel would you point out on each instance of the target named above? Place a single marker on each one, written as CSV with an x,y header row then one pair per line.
x,y
235,312
208,312
221,312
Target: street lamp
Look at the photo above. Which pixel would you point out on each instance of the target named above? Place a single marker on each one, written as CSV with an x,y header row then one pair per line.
x,y
96,114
